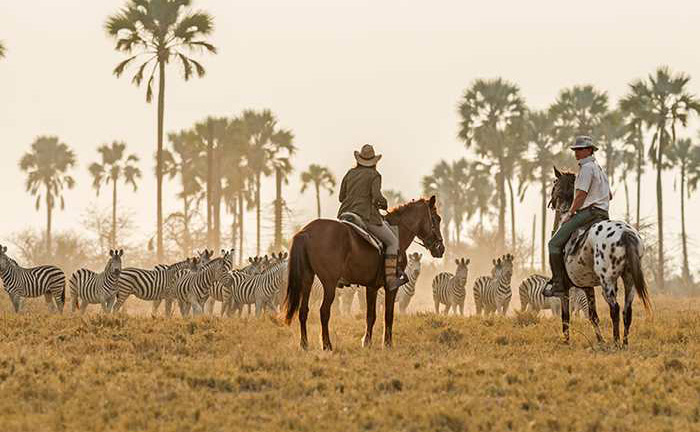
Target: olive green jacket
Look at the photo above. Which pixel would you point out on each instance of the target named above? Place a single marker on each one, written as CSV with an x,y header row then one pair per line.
x,y
361,193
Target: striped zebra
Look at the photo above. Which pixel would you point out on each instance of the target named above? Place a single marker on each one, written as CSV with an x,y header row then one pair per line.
x,y
235,295
21,282
493,293
222,289
531,297
192,289
407,290
448,289
88,287
145,284
347,296
260,289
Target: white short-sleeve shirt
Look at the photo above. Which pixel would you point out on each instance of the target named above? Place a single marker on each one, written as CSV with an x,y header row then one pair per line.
x,y
592,179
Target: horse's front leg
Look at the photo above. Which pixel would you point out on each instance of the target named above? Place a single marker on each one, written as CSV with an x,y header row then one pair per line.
x,y
371,306
565,316
328,297
389,316
627,312
593,313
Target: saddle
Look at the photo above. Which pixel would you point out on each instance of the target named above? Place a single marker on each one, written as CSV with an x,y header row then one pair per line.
x,y
356,223
579,236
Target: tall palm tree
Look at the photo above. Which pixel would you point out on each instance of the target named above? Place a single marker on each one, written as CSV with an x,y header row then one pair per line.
x,y
159,31
578,111
610,131
628,160
282,152
670,103
450,182
686,156
47,166
546,153
186,159
115,166
492,112
480,197
438,183
320,177
393,197
632,106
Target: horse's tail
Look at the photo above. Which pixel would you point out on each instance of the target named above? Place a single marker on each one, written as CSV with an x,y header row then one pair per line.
x,y
634,266
298,266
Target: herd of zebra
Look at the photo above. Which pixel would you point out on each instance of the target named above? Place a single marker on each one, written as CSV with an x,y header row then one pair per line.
x,y
197,283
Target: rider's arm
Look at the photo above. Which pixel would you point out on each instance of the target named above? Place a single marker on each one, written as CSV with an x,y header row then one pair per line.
x,y
377,197
579,198
343,191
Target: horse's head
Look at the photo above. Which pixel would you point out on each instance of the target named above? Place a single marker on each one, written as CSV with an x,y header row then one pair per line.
x,y
562,191
422,220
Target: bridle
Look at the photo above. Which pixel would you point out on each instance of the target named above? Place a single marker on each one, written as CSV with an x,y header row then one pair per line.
x,y
435,238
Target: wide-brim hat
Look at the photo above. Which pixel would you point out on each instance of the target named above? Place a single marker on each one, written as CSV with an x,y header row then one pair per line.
x,y
366,156
583,142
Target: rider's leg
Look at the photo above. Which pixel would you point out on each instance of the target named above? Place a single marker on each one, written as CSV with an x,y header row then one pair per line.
x,y
394,277
556,286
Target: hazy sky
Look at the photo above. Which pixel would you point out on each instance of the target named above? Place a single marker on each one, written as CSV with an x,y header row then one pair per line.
x,y
338,74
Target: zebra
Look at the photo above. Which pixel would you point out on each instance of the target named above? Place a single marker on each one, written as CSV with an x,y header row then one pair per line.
x,y
223,290
89,287
145,284
531,297
260,289
46,280
493,293
407,290
192,289
347,295
448,289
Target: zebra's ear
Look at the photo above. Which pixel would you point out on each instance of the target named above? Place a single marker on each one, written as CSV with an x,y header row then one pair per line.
x,y
419,256
457,261
468,261
111,253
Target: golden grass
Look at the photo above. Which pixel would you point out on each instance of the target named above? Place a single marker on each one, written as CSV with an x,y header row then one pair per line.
x,y
126,373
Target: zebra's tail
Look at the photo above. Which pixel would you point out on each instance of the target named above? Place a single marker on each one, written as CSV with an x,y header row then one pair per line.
x,y
634,266
298,267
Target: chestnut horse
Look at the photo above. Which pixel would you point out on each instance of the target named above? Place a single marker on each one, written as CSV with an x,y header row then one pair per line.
x,y
332,250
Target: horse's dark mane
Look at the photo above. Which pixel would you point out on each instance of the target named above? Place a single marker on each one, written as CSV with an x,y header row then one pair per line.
x,y
398,210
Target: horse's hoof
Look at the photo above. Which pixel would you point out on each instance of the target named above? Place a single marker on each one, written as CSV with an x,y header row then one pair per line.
x,y
327,348
366,342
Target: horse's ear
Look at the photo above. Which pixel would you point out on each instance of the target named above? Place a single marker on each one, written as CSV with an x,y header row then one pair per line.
x,y
431,202
557,173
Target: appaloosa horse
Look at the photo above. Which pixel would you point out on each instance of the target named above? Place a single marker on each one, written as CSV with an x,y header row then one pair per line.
x,y
610,250
332,250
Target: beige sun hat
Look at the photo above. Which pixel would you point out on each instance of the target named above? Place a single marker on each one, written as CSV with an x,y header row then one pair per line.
x,y
366,156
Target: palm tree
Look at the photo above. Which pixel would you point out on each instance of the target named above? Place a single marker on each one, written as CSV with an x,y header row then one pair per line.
x,y
393,197
632,107
282,151
480,196
320,177
628,160
546,153
610,131
669,104
492,112
47,166
578,111
186,159
160,31
115,165
450,182
438,183
686,157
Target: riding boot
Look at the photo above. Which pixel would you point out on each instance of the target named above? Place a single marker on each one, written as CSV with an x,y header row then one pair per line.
x,y
394,277
556,286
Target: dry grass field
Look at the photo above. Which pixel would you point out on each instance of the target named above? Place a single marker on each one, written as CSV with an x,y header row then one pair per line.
x,y
136,373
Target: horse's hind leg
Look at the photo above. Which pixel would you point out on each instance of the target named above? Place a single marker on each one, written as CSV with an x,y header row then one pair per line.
x,y
326,305
565,316
306,282
593,313
371,306
627,312
610,294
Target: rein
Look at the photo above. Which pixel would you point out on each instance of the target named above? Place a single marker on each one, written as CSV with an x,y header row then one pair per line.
x,y
415,235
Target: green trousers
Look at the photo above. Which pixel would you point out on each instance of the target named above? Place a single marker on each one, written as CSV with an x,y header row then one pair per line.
x,y
582,217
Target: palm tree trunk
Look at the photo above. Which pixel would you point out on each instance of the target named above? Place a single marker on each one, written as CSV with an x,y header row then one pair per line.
x,y
114,214
544,222
512,215
534,234
210,184
318,199
186,223
684,238
234,225
627,199
501,235
49,205
241,211
640,155
159,160
660,211
257,212
278,209
217,196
